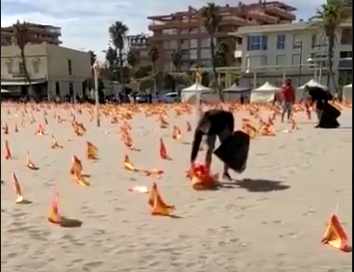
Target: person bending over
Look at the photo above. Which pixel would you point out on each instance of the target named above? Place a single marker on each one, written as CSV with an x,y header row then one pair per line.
x,y
213,123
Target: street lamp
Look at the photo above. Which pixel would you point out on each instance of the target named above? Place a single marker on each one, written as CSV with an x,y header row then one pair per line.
x,y
96,68
319,65
311,61
300,45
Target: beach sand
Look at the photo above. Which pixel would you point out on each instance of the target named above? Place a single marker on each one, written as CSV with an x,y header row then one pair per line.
x,y
271,219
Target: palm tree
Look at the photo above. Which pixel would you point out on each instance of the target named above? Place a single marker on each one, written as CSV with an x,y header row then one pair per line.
x,y
111,57
118,32
330,16
211,21
221,55
22,38
133,58
177,59
93,57
154,56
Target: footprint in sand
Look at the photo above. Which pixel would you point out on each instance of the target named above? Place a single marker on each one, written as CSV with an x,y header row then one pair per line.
x,y
92,265
309,212
239,216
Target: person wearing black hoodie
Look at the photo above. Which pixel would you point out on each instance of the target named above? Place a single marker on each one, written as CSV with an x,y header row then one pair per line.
x,y
326,113
213,123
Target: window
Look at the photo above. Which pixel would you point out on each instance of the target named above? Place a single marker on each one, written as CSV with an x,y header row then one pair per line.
x,y
194,30
296,59
193,54
205,54
281,41
194,43
205,42
172,31
57,88
256,61
9,67
70,68
297,43
36,66
314,40
166,44
347,36
257,43
318,40
346,54
173,44
281,60
21,68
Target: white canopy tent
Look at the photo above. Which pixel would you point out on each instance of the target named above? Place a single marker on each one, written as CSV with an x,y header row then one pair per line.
x,y
347,93
4,91
311,83
264,93
190,94
235,92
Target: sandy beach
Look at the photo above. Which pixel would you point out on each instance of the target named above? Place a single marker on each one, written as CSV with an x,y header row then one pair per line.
x,y
270,219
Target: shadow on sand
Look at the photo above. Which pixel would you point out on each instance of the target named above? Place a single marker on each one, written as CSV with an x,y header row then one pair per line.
x,y
256,185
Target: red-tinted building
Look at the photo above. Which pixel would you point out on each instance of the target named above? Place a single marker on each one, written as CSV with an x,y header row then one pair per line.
x,y
185,31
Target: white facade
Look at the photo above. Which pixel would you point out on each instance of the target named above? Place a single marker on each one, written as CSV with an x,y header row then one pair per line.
x,y
274,51
53,70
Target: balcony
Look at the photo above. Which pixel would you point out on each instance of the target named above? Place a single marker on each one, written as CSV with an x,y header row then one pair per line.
x,y
345,64
280,13
233,20
261,16
174,24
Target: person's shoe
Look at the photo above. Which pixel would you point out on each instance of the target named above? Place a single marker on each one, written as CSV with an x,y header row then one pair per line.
x,y
227,176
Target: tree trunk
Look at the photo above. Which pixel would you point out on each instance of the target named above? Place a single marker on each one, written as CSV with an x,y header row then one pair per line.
x,y
155,78
25,68
212,47
121,69
331,82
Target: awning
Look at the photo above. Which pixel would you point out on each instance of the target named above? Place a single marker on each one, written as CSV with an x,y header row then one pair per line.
x,y
21,82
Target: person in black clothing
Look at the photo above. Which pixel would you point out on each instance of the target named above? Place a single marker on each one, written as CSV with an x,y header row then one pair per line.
x,y
326,113
213,123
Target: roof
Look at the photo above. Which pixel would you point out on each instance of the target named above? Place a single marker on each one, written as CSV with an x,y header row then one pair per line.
x,y
266,87
21,82
196,87
312,83
272,28
236,88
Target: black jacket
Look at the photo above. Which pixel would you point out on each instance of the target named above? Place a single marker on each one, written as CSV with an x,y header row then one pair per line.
x,y
213,122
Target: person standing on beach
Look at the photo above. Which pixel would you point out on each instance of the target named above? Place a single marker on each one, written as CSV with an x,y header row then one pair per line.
x,y
288,97
212,123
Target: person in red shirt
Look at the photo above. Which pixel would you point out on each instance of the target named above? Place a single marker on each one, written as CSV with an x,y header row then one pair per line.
x,y
288,97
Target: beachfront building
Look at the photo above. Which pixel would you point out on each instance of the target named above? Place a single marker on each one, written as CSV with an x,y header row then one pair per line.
x,y
53,71
140,45
298,51
36,34
184,31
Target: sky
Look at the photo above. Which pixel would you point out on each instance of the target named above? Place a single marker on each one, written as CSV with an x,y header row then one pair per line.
x,y
85,23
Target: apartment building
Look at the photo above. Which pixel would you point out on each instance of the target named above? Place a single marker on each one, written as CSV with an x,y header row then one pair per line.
x,y
36,34
298,51
185,31
140,44
53,71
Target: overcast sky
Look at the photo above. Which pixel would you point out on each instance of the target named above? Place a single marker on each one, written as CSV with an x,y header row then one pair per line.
x,y
85,23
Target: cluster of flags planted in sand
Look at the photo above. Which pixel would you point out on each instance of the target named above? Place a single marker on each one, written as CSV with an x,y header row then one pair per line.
x,y
199,176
